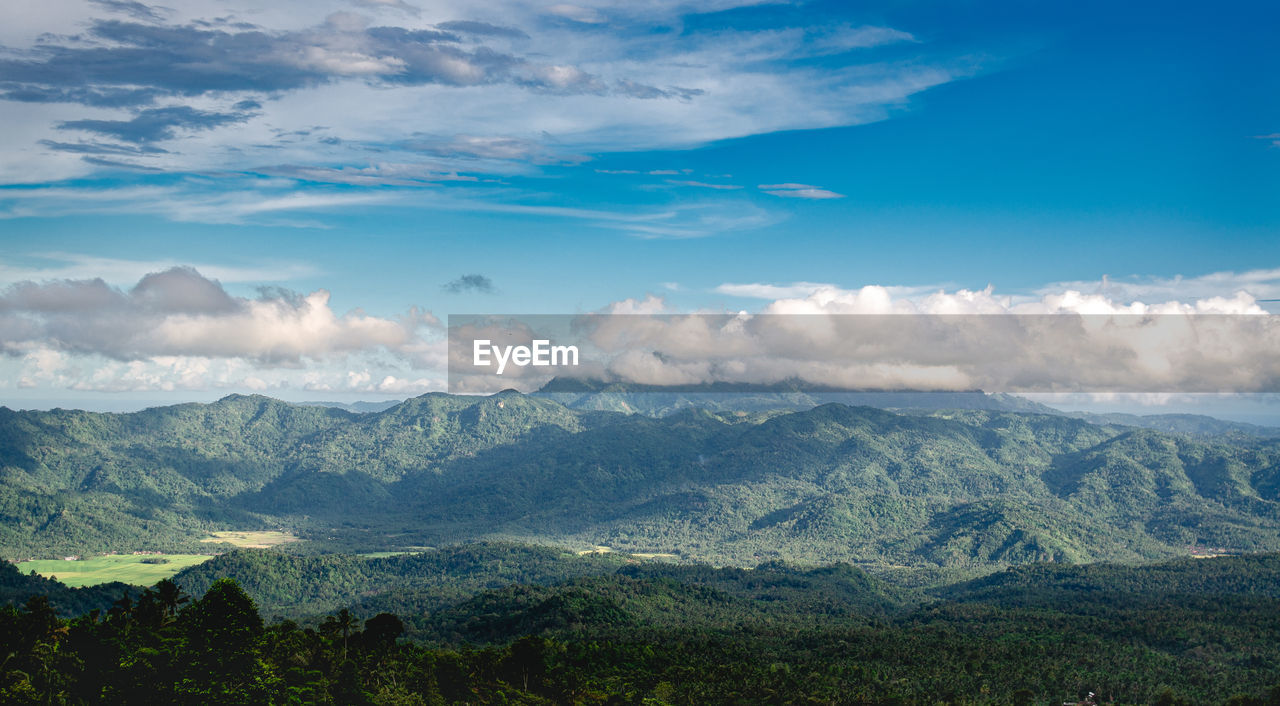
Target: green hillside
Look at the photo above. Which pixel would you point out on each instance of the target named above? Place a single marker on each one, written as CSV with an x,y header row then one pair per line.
x,y
940,488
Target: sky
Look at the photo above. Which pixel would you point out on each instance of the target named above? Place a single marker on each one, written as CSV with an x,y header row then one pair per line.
x,y
199,198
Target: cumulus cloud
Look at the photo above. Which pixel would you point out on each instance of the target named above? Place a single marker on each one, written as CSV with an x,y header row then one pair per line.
x,y
179,312
869,338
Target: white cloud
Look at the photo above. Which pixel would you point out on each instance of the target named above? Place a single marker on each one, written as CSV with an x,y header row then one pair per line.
x,y
177,330
180,313
793,290
1259,284
878,337
632,82
798,191
73,266
577,13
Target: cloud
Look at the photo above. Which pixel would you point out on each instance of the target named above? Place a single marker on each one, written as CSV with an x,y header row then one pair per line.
x,y
283,202
770,291
870,338
97,97
569,83
704,185
798,191
136,10
45,369
470,283
155,124
644,91
100,148
118,271
1259,284
510,149
577,13
179,312
843,38
373,175
117,164
483,29
158,57
400,5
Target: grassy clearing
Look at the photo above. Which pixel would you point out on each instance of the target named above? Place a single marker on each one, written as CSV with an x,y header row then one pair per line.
x,y
136,569
597,549
252,539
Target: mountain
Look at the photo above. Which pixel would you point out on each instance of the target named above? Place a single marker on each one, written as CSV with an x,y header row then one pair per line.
x,y
928,488
654,400
355,407
795,395
1180,424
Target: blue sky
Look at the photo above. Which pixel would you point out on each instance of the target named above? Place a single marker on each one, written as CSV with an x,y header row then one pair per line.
x,y
413,160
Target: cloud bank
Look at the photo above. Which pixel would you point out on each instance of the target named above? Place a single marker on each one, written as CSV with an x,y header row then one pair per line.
x,y
870,339
179,312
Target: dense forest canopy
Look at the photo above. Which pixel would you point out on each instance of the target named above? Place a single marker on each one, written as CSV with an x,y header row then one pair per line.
x,y
467,625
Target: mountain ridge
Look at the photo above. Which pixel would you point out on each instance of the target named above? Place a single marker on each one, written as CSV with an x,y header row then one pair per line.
x,y
829,483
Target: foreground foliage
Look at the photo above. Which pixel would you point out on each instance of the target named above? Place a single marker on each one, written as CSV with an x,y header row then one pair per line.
x,y
1190,632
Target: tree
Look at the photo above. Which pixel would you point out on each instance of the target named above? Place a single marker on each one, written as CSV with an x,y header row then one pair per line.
x,y
224,649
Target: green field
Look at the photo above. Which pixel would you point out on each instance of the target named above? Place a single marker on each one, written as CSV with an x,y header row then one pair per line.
x,y
128,568
251,539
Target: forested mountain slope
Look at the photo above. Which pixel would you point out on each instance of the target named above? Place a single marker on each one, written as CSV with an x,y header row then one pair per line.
x,y
832,483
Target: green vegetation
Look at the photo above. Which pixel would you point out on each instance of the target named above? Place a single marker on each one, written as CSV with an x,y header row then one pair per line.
x,y
927,556
962,490
292,585
136,570
594,632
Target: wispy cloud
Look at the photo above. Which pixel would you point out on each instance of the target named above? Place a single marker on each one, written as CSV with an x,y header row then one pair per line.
x,y
798,191
48,266
703,185
136,10
799,290
532,85
1259,284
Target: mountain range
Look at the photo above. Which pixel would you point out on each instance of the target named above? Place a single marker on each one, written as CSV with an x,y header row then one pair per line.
x,y
929,488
